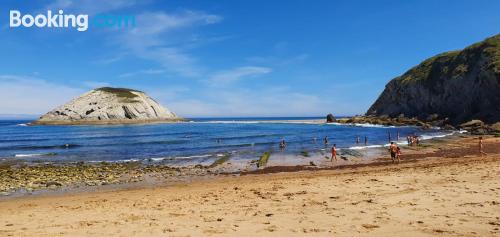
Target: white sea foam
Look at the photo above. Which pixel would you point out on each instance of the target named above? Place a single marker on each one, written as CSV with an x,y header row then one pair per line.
x,y
427,137
404,142
369,125
364,147
258,122
112,161
365,125
231,122
34,154
27,155
22,124
191,157
158,159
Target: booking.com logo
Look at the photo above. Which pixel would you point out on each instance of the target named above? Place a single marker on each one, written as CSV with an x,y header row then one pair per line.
x,y
60,20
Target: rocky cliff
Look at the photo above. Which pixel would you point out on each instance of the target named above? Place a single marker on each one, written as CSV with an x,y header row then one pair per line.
x,y
109,106
455,86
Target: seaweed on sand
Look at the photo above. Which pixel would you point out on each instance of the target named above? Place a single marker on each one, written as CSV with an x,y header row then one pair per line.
x,y
263,159
350,152
221,160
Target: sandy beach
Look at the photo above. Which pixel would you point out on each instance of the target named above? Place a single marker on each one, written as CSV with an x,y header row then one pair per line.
x,y
447,191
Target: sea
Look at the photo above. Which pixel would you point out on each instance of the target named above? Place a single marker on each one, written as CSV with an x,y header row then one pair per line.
x,y
199,141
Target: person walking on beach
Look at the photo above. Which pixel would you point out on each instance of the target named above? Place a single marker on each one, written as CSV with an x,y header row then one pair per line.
x,y
393,149
481,147
334,152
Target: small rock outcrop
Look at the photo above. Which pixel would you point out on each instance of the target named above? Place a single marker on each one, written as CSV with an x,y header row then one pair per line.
x,y
330,118
109,105
496,127
454,87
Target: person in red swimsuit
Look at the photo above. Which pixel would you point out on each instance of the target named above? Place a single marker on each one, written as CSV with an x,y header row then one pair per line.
x,y
334,152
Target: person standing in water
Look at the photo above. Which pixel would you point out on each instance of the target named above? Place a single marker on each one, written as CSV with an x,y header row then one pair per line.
x,y
282,144
481,147
325,140
357,140
366,140
334,152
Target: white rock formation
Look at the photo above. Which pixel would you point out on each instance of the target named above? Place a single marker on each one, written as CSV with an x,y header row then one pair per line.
x,y
109,106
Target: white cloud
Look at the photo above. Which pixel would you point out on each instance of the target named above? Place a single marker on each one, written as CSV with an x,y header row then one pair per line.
x,y
228,76
110,60
159,37
90,7
244,102
279,61
31,95
154,23
142,72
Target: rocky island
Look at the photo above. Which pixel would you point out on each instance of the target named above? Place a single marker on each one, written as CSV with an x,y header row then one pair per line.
x,y
109,105
453,88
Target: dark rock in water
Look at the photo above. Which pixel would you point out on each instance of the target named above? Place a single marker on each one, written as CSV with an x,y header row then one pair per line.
x,y
387,121
476,127
330,118
472,124
448,127
459,85
495,127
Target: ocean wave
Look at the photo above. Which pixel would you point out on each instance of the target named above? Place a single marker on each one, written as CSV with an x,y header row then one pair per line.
x,y
364,147
369,125
257,122
252,136
228,122
364,125
22,124
24,140
182,157
427,137
48,147
403,142
156,142
113,161
34,155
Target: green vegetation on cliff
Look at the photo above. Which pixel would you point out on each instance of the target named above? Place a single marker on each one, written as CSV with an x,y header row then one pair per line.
x,y
456,87
455,64
120,92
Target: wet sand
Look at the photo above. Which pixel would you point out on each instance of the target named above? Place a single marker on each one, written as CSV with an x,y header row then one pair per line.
x,y
442,190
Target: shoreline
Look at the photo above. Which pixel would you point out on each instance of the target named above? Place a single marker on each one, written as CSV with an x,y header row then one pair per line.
x,y
451,191
19,179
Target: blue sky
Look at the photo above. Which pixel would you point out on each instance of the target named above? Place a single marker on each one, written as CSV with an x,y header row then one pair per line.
x,y
234,58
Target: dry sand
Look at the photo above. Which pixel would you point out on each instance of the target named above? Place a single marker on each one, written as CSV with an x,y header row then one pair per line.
x,y
453,195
